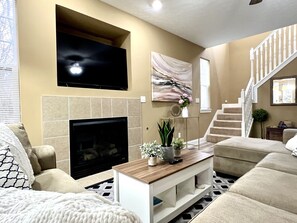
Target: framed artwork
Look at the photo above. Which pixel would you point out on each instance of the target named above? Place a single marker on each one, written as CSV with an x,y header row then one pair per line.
x,y
170,77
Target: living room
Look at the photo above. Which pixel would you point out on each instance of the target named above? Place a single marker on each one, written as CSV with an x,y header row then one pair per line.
x,y
230,72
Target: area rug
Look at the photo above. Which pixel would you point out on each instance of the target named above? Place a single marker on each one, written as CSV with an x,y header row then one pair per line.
x,y
221,183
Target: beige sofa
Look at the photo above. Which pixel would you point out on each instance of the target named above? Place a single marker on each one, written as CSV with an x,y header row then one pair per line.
x,y
266,193
238,155
43,161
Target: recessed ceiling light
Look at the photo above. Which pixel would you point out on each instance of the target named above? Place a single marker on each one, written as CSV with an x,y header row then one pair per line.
x,y
157,5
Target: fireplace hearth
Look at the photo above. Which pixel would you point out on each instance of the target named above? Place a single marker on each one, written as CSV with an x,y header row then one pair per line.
x,y
97,144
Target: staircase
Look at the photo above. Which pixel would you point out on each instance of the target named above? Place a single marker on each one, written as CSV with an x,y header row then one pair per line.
x,y
267,59
226,124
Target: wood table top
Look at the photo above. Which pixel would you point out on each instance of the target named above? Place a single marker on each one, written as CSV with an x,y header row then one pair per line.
x,y
140,170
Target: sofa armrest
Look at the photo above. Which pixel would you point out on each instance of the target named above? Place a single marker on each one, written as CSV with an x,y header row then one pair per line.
x,y
46,156
288,134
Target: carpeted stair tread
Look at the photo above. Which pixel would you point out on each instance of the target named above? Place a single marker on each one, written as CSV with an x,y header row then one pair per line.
x,y
226,131
214,138
229,116
227,123
233,110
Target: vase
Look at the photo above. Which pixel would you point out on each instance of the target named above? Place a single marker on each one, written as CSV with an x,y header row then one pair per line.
x,y
177,153
152,161
168,153
185,112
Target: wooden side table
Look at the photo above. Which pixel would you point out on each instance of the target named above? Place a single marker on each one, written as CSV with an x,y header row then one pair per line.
x,y
274,133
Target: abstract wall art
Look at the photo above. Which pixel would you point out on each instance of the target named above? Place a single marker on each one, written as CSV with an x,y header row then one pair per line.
x,y
170,77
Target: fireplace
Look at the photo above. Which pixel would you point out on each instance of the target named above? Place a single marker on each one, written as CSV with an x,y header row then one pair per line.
x,y
97,144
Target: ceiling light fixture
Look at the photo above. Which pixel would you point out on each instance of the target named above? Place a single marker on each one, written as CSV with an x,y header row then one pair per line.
x,y
157,5
254,2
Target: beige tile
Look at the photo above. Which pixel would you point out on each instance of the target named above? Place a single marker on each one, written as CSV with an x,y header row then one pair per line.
x,y
106,107
134,121
134,107
79,107
135,136
55,128
134,153
54,108
61,145
96,107
64,165
119,107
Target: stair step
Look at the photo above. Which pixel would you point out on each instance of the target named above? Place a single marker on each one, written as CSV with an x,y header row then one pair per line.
x,y
227,123
215,138
229,116
233,110
225,131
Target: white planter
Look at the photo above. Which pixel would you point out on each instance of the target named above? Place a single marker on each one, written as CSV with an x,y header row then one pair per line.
x,y
185,112
152,161
177,153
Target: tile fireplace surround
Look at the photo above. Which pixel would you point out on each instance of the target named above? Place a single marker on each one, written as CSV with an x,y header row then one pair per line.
x,y
58,110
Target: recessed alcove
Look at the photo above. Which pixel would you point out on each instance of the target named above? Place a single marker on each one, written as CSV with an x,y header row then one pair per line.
x,y
76,23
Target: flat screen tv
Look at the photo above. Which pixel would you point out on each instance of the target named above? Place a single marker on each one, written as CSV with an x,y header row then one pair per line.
x,y
85,63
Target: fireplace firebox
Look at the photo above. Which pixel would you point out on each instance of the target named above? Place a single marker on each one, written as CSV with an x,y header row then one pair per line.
x,y
97,144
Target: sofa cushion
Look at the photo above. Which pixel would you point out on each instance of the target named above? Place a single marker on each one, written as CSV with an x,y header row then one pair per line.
x,y
11,175
232,208
56,180
281,162
271,187
20,132
248,149
292,143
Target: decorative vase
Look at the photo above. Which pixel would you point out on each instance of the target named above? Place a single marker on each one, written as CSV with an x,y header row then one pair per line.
x,y
185,112
177,153
152,161
168,153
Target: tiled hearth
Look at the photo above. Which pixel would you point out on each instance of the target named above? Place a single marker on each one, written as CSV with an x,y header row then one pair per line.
x,y
58,110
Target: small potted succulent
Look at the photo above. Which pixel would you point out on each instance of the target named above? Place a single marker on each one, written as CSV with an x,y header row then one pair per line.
x,y
178,145
166,135
152,151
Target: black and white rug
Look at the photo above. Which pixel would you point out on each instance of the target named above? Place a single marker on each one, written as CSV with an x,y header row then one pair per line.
x,y
221,184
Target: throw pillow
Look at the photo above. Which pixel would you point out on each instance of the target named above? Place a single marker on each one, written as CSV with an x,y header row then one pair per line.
x,y
292,143
20,132
7,137
11,175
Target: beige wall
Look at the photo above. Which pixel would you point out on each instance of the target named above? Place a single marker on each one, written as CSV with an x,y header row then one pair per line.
x,y
36,28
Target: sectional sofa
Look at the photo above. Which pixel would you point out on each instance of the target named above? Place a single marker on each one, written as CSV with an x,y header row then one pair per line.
x,y
266,193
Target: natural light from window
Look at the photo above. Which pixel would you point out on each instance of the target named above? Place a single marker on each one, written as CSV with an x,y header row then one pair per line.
x,y
9,80
204,85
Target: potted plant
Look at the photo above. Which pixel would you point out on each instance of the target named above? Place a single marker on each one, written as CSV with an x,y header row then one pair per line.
x,y
166,135
260,115
151,150
178,145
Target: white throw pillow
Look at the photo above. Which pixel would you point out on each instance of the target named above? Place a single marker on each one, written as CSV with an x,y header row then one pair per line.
x,y
292,143
7,137
294,153
11,175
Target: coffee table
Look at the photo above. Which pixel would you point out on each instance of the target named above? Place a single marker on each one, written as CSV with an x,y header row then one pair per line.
x,y
179,186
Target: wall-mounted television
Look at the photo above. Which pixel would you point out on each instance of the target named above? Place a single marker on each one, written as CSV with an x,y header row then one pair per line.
x,y
89,64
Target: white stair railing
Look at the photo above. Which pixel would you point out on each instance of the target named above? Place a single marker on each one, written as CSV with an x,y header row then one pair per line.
x,y
271,55
246,105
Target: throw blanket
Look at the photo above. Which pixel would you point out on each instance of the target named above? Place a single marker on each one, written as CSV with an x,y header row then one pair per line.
x,y
29,206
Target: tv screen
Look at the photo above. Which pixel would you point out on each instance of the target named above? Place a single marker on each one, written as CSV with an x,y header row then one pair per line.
x,y
85,63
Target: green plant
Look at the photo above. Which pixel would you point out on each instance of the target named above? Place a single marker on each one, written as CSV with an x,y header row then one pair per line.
x,y
151,149
260,115
178,143
166,133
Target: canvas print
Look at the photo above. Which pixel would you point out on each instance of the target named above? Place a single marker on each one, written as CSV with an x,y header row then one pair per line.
x,y
171,78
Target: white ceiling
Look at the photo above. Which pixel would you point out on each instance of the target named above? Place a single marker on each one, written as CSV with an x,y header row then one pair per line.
x,y
212,22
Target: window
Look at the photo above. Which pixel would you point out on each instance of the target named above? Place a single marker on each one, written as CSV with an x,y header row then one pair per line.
x,y
204,85
9,80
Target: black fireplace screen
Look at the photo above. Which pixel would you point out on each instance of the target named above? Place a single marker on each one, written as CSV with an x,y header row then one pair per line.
x,y
97,145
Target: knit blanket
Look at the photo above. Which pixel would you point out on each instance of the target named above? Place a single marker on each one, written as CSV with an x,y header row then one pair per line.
x,y
29,206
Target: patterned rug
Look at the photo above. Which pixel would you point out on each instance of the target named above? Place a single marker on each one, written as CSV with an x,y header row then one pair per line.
x,y
221,184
